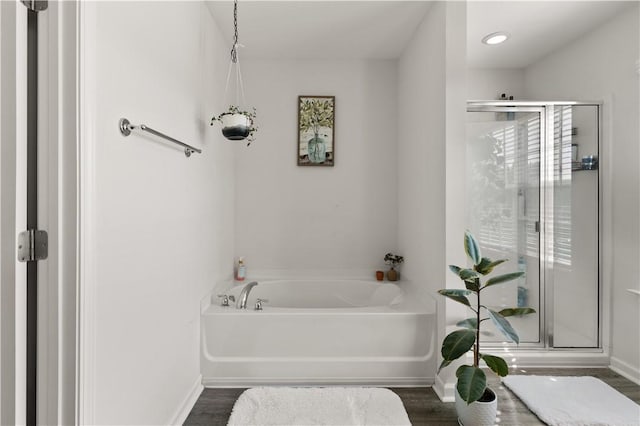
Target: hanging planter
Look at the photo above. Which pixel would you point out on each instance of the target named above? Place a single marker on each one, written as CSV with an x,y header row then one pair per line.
x,y
237,125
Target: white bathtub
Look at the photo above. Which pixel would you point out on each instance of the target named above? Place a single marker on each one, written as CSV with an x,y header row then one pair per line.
x,y
320,332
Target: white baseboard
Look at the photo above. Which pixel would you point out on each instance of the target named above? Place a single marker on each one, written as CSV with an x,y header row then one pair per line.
x,y
554,358
444,390
534,359
243,382
187,404
625,370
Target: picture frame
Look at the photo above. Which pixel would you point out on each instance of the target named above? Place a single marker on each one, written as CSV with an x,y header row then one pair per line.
x,y
316,130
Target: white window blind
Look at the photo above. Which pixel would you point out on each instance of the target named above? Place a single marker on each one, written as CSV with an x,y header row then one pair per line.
x,y
517,166
507,185
562,138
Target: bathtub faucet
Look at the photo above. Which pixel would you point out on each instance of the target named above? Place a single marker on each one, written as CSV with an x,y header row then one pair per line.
x,y
244,295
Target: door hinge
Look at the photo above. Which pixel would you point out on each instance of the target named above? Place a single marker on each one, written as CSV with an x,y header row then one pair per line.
x,y
36,5
33,245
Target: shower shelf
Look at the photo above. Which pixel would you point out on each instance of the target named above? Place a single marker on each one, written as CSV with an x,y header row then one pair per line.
x,y
576,166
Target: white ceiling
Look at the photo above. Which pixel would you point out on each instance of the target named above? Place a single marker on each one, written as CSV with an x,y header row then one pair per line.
x,y
342,29
321,29
537,28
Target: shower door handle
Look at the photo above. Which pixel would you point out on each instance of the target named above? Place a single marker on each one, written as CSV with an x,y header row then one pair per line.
x,y
537,226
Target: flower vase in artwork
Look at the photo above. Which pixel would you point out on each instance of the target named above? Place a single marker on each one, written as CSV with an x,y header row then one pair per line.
x,y
317,149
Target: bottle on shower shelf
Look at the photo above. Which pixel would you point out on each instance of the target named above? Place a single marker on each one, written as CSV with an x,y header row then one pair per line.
x,y
241,270
523,292
511,115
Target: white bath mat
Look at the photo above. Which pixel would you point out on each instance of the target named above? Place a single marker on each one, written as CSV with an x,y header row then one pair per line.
x,y
318,406
565,401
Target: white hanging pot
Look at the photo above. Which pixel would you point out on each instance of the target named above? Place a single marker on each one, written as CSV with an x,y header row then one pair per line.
x,y
479,413
236,127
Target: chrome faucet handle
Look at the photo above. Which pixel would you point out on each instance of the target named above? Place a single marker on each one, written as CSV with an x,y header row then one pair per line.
x,y
232,298
259,303
225,299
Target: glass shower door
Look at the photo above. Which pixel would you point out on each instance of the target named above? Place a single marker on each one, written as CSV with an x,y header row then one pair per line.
x,y
573,250
503,194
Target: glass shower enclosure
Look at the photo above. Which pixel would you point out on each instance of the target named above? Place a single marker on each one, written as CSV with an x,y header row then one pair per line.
x,y
532,187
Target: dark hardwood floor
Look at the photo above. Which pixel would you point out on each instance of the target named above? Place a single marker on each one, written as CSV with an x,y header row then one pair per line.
x,y
422,404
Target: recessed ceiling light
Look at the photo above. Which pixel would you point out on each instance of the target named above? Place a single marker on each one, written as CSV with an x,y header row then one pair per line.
x,y
495,38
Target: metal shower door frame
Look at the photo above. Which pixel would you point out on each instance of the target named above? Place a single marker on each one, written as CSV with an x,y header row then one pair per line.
x,y
490,107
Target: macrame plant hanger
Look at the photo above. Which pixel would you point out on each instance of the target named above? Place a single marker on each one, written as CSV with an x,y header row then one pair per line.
x,y
237,123
235,63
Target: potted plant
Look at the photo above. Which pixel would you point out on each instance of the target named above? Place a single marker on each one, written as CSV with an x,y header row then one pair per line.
x,y
394,260
237,125
475,402
316,114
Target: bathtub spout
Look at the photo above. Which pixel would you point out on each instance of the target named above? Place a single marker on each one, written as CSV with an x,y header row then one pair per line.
x,y
244,295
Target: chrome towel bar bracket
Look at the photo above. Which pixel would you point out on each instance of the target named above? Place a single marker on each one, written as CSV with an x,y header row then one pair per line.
x,y
126,127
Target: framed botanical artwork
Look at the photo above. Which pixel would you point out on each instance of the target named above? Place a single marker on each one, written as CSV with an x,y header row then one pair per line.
x,y
316,124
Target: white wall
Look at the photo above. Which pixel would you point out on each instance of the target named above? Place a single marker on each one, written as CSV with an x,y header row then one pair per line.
x,y
339,219
488,84
431,111
601,66
421,151
162,224
431,105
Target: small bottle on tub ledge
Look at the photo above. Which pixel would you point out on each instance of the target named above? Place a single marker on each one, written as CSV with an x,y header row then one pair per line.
x,y
241,270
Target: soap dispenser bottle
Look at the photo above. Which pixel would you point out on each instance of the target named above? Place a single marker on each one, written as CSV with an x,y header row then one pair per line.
x,y
241,270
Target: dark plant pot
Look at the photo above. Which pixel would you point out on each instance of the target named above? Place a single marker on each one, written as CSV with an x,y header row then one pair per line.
x,y
379,275
393,275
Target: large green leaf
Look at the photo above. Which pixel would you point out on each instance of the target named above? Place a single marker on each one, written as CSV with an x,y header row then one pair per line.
x,y
444,363
510,312
472,285
467,274
470,323
471,383
471,279
457,344
486,265
455,269
503,278
472,248
497,364
457,295
503,325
